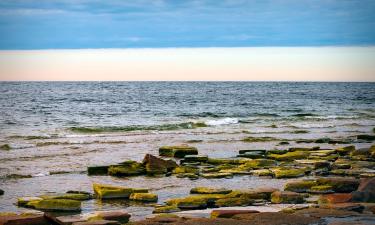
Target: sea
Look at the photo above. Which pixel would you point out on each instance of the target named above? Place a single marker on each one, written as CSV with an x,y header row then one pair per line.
x,y
51,131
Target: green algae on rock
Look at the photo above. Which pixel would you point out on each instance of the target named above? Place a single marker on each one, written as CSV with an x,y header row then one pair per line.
x,y
127,168
289,156
288,172
340,184
300,186
177,151
166,209
71,196
55,205
103,191
208,190
23,201
321,189
144,197
288,197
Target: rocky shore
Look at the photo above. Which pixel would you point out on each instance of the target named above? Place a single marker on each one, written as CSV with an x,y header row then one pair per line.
x,y
338,188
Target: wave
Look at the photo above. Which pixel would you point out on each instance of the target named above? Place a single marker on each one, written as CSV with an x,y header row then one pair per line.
x,y
163,127
224,121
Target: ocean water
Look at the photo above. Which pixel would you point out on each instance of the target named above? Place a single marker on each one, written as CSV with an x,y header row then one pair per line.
x,y
51,131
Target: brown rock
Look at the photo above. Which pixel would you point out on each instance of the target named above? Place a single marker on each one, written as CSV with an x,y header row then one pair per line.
x,y
220,213
276,218
121,216
335,198
34,219
365,191
344,206
155,165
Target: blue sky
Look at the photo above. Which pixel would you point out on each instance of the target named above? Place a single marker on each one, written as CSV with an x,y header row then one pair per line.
x,y
61,24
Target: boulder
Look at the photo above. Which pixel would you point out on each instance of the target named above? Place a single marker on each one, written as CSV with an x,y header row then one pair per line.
x,y
23,219
288,172
365,191
144,197
55,205
301,186
97,170
127,168
107,191
177,151
208,190
287,197
340,184
220,213
155,165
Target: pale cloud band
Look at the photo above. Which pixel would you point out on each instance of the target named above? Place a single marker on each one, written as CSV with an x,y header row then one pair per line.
x,y
213,64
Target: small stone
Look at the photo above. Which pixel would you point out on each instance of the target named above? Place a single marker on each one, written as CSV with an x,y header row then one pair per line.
x,y
23,201
288,172
195,158
166,209
177,151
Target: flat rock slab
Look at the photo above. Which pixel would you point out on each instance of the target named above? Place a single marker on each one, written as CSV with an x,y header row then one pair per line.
x,y
37,219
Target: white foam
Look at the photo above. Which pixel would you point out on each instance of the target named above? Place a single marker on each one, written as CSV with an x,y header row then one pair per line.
x,y
221,121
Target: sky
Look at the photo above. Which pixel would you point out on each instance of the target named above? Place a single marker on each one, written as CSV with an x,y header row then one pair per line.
x,y
32,32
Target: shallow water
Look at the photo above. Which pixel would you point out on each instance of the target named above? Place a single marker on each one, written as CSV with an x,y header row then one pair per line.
x,y
62,127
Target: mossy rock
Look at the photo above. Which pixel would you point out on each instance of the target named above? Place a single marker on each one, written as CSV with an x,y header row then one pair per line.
x,y
289,156
316,164
220,161
288,172
259,163
236,171
208,190
286,197
196,201
322,152
185,169
97,170
55,205
195,158
71,196
262,172
300,186
345,150
236,201
23,201
321,189
144,197
340,184
166,209
177,151
108,191
128,168
216,175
